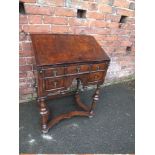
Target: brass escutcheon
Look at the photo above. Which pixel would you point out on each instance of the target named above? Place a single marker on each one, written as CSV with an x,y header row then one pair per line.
x,y
78,69
55,73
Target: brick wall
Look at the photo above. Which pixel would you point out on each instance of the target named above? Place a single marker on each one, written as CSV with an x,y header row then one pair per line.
x,y
111,22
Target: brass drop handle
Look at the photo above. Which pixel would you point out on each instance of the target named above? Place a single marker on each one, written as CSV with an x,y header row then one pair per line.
x,y
55,84
98,67
55,73
78,69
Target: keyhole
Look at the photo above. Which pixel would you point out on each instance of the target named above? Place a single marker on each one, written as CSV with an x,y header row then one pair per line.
x,y
96,77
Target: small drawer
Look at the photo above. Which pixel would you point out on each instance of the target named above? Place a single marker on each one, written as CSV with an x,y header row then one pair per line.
x,y
96,67
77,69
54,84
94,77
54,71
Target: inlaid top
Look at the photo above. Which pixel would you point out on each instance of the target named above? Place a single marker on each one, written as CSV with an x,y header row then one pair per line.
x,y
51,49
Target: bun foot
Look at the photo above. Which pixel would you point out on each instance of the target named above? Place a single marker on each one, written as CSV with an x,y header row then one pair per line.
x,y
45,131
91,114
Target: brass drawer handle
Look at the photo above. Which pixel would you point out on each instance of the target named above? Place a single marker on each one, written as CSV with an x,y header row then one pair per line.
x,y
98,67
55,84
78,69
55,73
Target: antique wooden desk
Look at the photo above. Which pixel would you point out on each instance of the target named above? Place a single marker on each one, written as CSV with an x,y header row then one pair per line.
x,y
61,58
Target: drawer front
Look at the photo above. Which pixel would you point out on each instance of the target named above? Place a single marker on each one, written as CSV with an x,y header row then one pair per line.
x,y
77,69
95,77
53,72
96,67
54,84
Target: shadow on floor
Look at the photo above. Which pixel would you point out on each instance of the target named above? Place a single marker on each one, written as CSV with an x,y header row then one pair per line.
x,y
111,130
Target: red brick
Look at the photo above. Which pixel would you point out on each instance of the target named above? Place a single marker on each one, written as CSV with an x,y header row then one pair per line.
x,y
113,25
25,68
105,8
121,3
125,12
132,38
29,60
36,28
26,90
80,30
23,36
114,43
55,20
131,20
24,53
93,6
20,27
99,37
64,12
128,26
111,37
126,43
44,2
22,75
119,31
57,2
22,61
23,82
82,5
100,31
59,29
112,18
23,19
28,1
95,15
123,38
27,46
35,19
20,46
98,23
78,22
32,9
30,74
133,48
106,37
25,98
30,81
104,1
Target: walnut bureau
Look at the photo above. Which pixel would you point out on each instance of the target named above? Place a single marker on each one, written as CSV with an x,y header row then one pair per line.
x,y
61,58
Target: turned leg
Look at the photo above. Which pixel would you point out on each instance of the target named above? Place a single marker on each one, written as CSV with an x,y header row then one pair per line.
x,y
77,98
95,99
91,108
44,114
78,86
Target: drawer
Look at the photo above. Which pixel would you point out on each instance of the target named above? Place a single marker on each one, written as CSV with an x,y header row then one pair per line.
x,y
54,84
77,69
54,71
101,66
94,77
